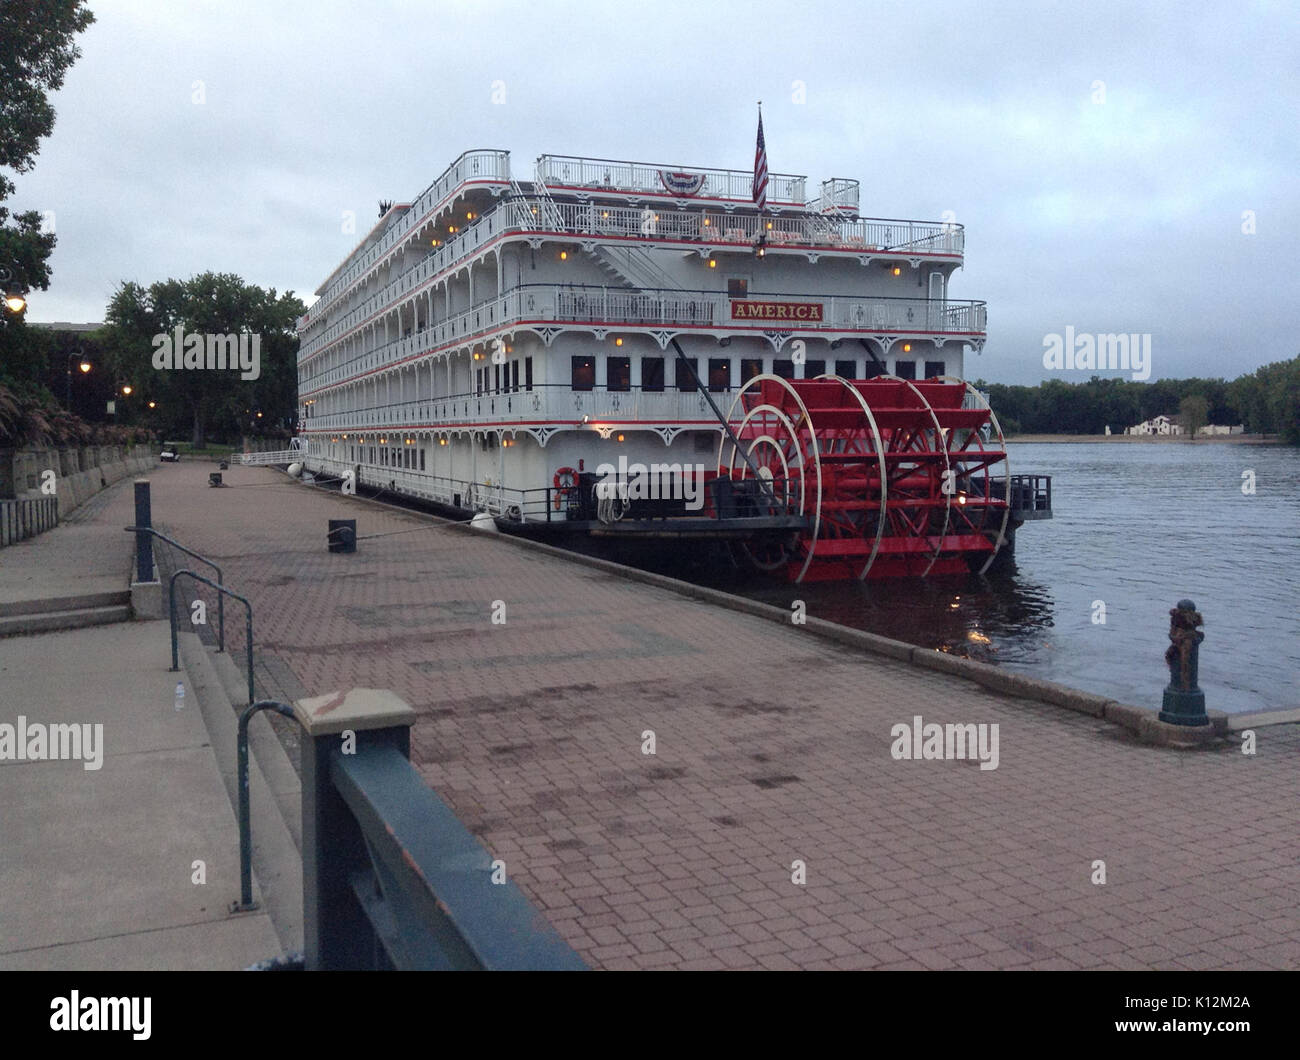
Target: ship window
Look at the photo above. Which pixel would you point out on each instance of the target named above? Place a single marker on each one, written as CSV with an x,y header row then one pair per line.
x,y
873,369
528,373
684,378
496,372
846,369
618,373
812,369
421,459
750,367
719,373
514,376
933,368
652,374
905,369
584,372
705,441
737,287
783,368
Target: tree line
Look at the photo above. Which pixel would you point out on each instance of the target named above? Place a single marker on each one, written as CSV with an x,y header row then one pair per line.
x,y
1266,401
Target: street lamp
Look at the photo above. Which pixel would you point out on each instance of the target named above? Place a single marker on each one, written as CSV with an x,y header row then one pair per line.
x,y
15,296
85,367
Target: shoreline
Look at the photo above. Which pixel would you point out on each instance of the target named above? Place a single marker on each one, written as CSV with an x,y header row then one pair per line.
x,y
1144,439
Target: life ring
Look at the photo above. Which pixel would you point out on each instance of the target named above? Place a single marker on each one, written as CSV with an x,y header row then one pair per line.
x,y
564,488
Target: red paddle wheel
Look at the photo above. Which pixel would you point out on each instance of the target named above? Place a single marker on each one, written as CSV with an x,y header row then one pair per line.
x,y
895,478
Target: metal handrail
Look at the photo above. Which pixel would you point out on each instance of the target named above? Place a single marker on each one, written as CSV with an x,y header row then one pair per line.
x,y
246,902
171,611
221,603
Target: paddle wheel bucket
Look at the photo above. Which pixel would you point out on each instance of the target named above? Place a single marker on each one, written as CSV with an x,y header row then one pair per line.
x,y
896,478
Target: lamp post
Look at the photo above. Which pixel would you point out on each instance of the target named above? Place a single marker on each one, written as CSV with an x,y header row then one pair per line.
x,y
85,367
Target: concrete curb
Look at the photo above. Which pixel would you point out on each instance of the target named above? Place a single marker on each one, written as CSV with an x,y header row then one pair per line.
x,y
1142,722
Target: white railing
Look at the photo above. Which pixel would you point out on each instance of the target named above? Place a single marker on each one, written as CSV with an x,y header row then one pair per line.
x,y
553,404
561,303
282,456
838,195
472,165
869,235
566,171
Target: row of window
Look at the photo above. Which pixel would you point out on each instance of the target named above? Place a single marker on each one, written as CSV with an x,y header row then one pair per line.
x,y
619,371
503,378
405,457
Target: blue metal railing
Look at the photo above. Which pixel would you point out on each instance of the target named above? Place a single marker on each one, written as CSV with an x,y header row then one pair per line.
x,y
221,589
221,602
393,880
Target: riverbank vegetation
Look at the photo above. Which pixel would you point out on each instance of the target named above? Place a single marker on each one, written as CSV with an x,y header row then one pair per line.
x,y
1266,401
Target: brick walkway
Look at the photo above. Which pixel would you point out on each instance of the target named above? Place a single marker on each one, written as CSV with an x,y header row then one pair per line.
x,y
772,747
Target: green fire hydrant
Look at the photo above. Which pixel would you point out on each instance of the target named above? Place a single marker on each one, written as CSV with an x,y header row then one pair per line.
x,y
1184,702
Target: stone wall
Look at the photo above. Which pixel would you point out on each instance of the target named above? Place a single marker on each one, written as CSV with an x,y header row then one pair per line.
x,y
78,473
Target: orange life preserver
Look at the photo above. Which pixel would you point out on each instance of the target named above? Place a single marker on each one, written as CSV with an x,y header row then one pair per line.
x,y
563,488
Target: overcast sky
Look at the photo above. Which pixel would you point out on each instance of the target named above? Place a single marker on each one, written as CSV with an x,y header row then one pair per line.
x,y
1111,208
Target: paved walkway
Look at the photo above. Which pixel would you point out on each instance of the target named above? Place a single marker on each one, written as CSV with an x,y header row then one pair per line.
x,y
772,747
97,866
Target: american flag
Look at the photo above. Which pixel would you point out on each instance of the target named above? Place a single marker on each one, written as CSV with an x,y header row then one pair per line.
x,y
760,168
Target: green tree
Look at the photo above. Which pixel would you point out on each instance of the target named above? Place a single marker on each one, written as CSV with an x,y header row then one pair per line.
x,y
1193,411
36,50
139,319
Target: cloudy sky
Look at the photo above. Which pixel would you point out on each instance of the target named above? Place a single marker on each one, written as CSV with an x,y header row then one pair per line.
x,y
1103,156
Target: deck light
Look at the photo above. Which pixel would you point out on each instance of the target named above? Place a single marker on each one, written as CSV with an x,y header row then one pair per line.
x,y
712,264
907,347
469,217
762,252
620,437
897,270
769,226
442,441
706,222
564,255
618,342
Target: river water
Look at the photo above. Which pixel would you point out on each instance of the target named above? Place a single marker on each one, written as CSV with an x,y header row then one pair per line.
x,y
1137,527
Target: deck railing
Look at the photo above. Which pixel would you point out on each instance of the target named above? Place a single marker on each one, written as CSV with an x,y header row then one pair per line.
x,y
613,306
595,220
487,165
604,174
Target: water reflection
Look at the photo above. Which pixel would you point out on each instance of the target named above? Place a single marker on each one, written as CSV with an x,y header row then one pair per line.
x,y
1137,527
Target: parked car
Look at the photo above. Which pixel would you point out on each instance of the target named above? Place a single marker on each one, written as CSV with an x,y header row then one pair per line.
x,y
170,455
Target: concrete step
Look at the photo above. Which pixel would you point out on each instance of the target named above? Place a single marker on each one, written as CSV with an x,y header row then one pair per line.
x,y
47,622
265,745
277,864
64,603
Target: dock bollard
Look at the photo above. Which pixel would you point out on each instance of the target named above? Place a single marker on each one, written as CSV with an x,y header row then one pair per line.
x,y
1184,702
342,535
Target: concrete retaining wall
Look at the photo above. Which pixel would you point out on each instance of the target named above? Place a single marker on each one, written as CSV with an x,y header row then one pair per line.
x,y
79,474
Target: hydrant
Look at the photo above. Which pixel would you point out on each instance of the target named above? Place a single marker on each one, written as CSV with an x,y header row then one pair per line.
x,y
1184,702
